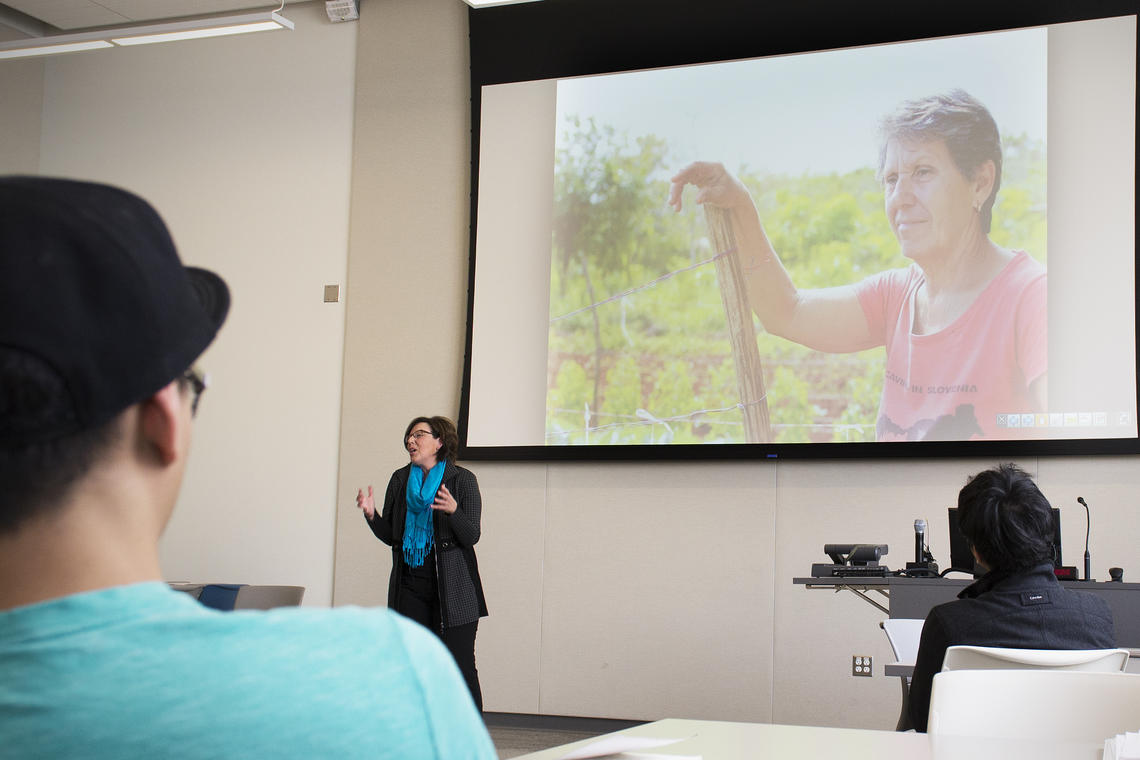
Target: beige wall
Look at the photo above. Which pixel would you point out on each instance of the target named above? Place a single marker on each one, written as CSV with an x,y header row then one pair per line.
x,y
244,146
616,590
21,107
407,272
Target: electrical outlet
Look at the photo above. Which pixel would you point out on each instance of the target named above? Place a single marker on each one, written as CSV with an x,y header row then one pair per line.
x,y
861,665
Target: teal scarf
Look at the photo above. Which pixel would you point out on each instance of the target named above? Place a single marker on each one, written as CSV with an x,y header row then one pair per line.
x,y
420,493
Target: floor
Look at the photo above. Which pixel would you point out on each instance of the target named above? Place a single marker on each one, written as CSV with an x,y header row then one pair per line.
x,y
514,734
512,742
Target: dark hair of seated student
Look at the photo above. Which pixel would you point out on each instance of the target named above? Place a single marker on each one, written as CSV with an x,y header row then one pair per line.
x,y
1007,519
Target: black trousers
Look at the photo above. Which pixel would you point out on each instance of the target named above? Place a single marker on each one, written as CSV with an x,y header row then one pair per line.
x,y
419,600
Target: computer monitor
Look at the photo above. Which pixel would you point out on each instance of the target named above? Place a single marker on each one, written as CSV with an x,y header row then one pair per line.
x,y
961,558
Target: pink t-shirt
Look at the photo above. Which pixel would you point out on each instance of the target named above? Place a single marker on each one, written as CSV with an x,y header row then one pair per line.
x,y
966,380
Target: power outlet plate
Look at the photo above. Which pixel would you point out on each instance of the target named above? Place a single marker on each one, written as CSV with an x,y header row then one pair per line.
x,y
861,665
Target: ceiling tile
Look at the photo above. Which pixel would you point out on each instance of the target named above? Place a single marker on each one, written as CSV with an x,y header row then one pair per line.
x,y
68,14
147,10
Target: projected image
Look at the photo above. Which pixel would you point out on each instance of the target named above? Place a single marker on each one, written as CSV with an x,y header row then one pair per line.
x,y
838,247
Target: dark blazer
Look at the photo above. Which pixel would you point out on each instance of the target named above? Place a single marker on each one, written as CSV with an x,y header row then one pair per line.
x,y
1030,610
457,571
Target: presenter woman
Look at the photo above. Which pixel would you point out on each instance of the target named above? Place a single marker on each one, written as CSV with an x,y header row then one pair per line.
x,y
430,518
964,326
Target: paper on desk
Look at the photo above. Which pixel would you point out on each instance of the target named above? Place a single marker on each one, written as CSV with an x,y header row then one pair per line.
x,y
1123,747
612,745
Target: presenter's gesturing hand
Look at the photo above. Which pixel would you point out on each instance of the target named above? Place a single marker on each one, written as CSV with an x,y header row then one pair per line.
x,y
366,503
444,501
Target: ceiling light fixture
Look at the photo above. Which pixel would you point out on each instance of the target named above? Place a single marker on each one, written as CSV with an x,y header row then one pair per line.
x,y
146,34
42,46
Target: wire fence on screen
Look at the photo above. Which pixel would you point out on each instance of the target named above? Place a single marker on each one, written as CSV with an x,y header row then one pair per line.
x,y
624,388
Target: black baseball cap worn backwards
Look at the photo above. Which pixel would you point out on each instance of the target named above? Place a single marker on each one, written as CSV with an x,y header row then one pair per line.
x,y
92,290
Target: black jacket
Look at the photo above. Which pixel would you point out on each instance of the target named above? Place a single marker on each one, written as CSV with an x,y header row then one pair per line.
x,y
457,571
1029,610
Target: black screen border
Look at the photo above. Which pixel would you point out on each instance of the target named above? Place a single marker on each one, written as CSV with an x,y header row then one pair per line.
x,y
563,38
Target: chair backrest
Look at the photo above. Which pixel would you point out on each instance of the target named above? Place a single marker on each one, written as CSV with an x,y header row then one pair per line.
x,y
998,658
1020,704
219,596
903,633
268,597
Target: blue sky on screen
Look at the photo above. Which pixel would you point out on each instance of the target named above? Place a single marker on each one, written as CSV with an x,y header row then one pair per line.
x,y
815,112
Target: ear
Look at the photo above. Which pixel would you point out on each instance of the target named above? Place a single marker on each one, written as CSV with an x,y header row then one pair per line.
x,y
984,181
162,422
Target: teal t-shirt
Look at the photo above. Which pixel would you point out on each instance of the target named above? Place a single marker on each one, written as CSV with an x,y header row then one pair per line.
x,y
142,671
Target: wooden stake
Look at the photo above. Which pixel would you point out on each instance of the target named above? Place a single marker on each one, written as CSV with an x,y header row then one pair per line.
x,y
741,329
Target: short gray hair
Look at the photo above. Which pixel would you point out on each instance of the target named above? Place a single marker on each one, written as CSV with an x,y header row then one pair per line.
x,y
962,122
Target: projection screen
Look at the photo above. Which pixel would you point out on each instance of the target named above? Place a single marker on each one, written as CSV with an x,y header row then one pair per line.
x,y
604,319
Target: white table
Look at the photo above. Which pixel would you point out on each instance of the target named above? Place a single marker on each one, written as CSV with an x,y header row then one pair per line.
x,y
717,740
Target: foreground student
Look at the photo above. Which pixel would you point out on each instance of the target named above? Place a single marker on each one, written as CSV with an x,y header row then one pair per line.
x,y
100,325
1019,602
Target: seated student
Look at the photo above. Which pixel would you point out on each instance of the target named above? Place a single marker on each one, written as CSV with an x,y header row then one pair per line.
x,y
1019,602
100,325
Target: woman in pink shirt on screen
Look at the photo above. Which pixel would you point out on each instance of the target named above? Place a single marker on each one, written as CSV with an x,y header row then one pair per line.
x,y
964,326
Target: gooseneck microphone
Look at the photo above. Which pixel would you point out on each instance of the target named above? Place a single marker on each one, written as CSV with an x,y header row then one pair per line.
x,y
919,541
1088,524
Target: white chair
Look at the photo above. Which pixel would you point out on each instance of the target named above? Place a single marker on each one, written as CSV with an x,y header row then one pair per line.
x,y
1017,704
903,635
998,658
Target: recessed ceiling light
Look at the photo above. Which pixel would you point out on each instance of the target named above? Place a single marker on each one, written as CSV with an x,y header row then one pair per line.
x,y
145,34
42,47
189,30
